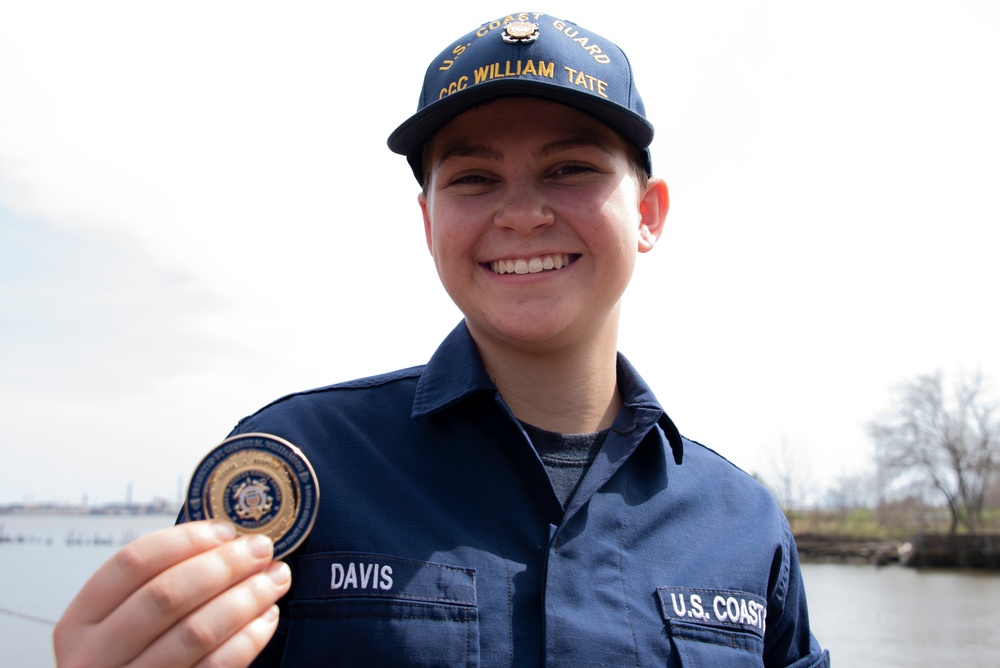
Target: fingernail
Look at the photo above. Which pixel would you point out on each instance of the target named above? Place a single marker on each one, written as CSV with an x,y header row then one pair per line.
x,y
223,530
260,546
279,573
264,624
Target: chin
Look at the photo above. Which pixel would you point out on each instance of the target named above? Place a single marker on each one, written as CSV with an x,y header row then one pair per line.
x,y
530,334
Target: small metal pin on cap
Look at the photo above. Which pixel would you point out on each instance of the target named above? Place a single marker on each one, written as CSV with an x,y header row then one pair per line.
x,y
520,32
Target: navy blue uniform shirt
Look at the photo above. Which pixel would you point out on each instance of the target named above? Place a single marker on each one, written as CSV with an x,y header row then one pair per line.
x,y
440,541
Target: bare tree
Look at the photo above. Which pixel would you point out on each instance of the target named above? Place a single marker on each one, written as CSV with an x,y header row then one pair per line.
x,y
789,476
949,441
851,492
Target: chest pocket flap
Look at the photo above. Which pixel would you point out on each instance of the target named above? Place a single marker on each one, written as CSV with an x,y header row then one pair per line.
x,y
369,609
714,627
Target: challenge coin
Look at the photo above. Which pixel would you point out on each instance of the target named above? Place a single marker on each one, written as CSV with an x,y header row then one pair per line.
x,y
262,484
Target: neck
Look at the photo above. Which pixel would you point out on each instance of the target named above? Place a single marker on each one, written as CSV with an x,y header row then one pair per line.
x,y
570,390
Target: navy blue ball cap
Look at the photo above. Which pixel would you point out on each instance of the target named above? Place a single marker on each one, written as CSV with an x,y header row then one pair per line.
x,y
526,54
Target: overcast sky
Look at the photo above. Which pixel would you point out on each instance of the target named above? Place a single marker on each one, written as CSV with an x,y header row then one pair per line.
x,y
198,214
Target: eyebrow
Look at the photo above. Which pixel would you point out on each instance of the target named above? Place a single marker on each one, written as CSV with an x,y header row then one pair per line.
x,y
472,151
572,143
497,155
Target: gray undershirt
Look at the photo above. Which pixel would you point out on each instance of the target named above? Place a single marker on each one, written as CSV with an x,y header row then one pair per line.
x,y
566,456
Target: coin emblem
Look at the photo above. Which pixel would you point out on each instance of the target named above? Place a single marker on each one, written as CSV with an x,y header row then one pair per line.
x,y
262,484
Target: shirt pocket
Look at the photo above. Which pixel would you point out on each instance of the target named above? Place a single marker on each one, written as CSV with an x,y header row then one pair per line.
x,y
713,627
368,609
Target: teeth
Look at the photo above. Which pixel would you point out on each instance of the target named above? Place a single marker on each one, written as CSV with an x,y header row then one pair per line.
x,y
531,265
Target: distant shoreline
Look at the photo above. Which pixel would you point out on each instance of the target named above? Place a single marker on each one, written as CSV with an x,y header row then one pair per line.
x,y
155,507
922,550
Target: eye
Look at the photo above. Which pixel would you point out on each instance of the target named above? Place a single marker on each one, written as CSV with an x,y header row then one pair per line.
x,y
469,179
572,169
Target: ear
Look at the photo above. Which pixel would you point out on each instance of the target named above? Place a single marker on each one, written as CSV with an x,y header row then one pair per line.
x,y
422,201
652,213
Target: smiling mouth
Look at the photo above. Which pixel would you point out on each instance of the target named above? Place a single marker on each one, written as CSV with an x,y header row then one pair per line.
x,y
532,265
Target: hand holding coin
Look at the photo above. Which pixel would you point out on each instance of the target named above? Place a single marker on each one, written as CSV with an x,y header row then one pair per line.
x,y
176,597
201,590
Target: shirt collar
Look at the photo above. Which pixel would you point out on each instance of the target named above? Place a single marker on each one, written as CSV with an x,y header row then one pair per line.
x,y
456,371
638,397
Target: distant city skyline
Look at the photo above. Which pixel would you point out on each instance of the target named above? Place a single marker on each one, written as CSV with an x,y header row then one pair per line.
x,y
126,499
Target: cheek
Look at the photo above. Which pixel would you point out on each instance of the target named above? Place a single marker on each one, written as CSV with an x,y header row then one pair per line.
x,y
450,244
619,220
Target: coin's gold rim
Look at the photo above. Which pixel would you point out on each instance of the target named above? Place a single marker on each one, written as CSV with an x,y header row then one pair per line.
x,y
304,507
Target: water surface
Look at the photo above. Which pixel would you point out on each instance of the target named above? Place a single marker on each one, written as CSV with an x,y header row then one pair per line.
x,y
867,617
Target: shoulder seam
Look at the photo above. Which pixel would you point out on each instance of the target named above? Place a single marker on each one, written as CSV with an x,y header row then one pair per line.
x,y
355,384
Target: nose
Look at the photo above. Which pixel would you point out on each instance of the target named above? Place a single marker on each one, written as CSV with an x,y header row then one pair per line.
x,y
523,211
